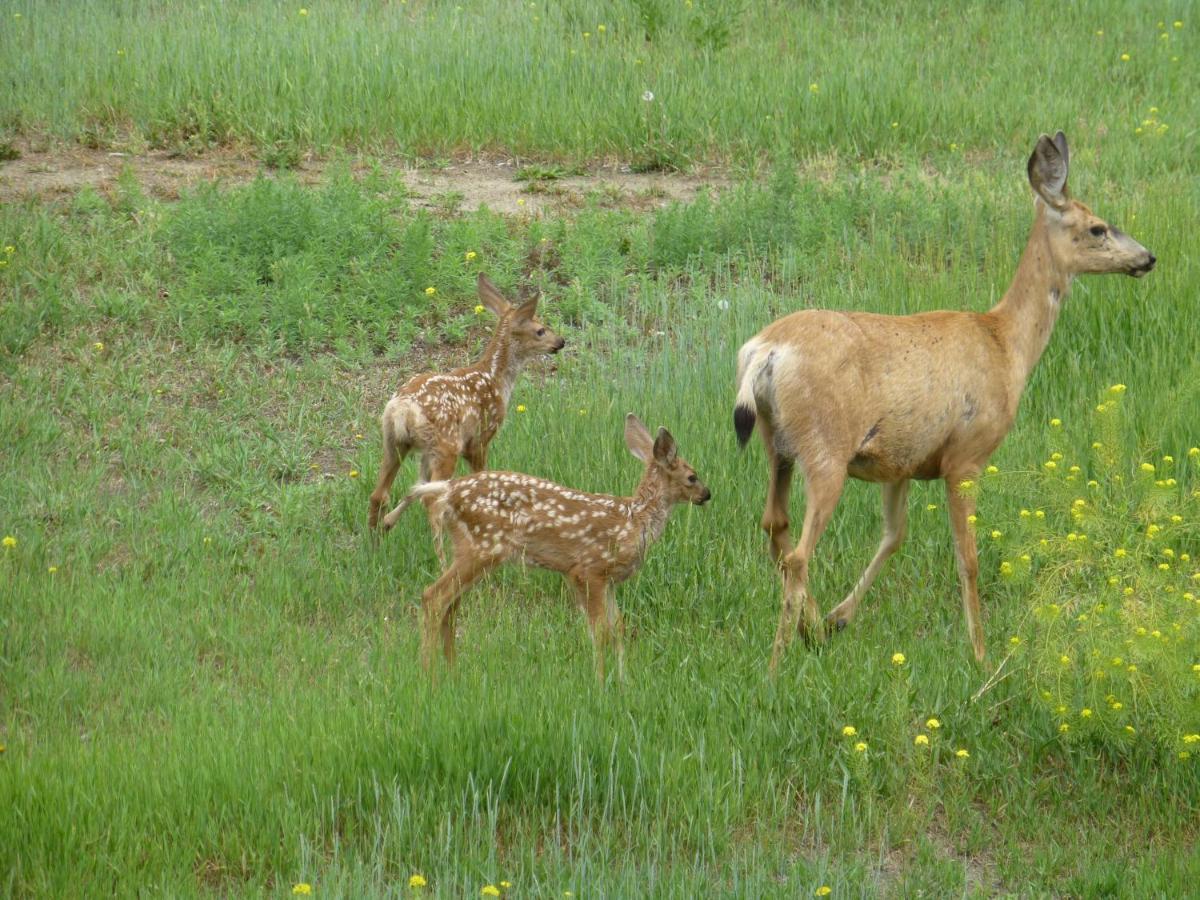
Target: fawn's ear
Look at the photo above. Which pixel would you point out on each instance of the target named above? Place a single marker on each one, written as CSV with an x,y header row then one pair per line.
x,y
664,447
526,311
637,438
491,297
1047,169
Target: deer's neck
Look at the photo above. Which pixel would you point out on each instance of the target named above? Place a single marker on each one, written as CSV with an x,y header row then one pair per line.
x,y
499,362
1030,307
651,508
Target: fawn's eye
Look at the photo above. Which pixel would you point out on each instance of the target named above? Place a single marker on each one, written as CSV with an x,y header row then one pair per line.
x,y
541,331
1098,230
692,479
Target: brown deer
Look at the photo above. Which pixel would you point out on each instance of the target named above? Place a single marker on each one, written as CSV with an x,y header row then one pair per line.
x,y
891,398
458,413
595,540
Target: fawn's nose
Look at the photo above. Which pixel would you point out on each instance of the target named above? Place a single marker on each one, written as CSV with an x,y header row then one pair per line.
x,y
561,343
705,497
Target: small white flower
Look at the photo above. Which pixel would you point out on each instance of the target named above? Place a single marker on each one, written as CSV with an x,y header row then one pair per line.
x,y
722,304
648,96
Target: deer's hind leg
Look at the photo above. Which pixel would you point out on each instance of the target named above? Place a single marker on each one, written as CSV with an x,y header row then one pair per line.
x,y
895,524
823,488
439,602
393,456
775,520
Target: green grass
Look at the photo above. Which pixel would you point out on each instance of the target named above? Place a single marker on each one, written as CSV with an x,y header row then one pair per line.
x,y
216,690
730,80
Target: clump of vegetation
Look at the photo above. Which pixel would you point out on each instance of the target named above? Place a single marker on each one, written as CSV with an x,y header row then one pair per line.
x,y
1107,556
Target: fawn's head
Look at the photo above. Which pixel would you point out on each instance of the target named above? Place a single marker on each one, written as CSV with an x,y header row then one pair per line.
x,y
661,456
529,335
1080,241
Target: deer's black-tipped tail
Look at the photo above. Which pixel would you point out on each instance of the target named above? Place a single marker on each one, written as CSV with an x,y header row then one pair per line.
x,y
743,423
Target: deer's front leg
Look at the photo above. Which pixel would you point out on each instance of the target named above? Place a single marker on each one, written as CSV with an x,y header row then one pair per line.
x,y
961,507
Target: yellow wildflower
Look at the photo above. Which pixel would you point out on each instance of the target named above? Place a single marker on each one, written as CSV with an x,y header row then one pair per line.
x,y
992,470
470,255
302,887
823,891
1191,738
930,507
303,12
1065,660
814,88
849,731
860,747
601,29
1006,568
490,890
520,407
98,346
507,884
1085,713
52,569
9,541
996,535
430,291
966,485
921,740
933,724
962,753
354,473
9,249
1055,423
1177,24
897,659
1117,389
479,309
1064,728
417,881
1015,640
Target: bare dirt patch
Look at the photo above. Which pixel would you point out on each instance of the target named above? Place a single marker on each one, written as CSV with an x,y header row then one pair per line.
x,y
466,184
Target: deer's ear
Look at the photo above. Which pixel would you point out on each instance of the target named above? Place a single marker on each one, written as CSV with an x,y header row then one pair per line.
x,y
491,297
1048,170
637,438
664,447
527,310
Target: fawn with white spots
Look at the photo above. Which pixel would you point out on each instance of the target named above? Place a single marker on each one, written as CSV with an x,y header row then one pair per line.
x,y
445,416
892,398
595,540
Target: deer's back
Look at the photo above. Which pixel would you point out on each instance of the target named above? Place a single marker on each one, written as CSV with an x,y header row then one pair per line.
x,y
463,403
507,514
888,397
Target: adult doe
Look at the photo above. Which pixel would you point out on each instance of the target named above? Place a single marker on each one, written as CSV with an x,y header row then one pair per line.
x,y
890,398
595,540
458,413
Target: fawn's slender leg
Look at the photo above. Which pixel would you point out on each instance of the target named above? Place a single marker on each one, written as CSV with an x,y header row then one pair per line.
x,y
822,489
895,522
442,462
962,506
591,591
392,457
440,598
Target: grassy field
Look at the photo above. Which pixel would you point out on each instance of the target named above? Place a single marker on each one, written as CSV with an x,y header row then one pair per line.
x,y
730,80
208,678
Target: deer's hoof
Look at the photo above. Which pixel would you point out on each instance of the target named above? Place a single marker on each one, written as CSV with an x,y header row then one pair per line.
x,y
837,624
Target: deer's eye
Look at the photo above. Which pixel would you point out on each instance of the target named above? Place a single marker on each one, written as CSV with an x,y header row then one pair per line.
x,y
1098,230
692,479
541,332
